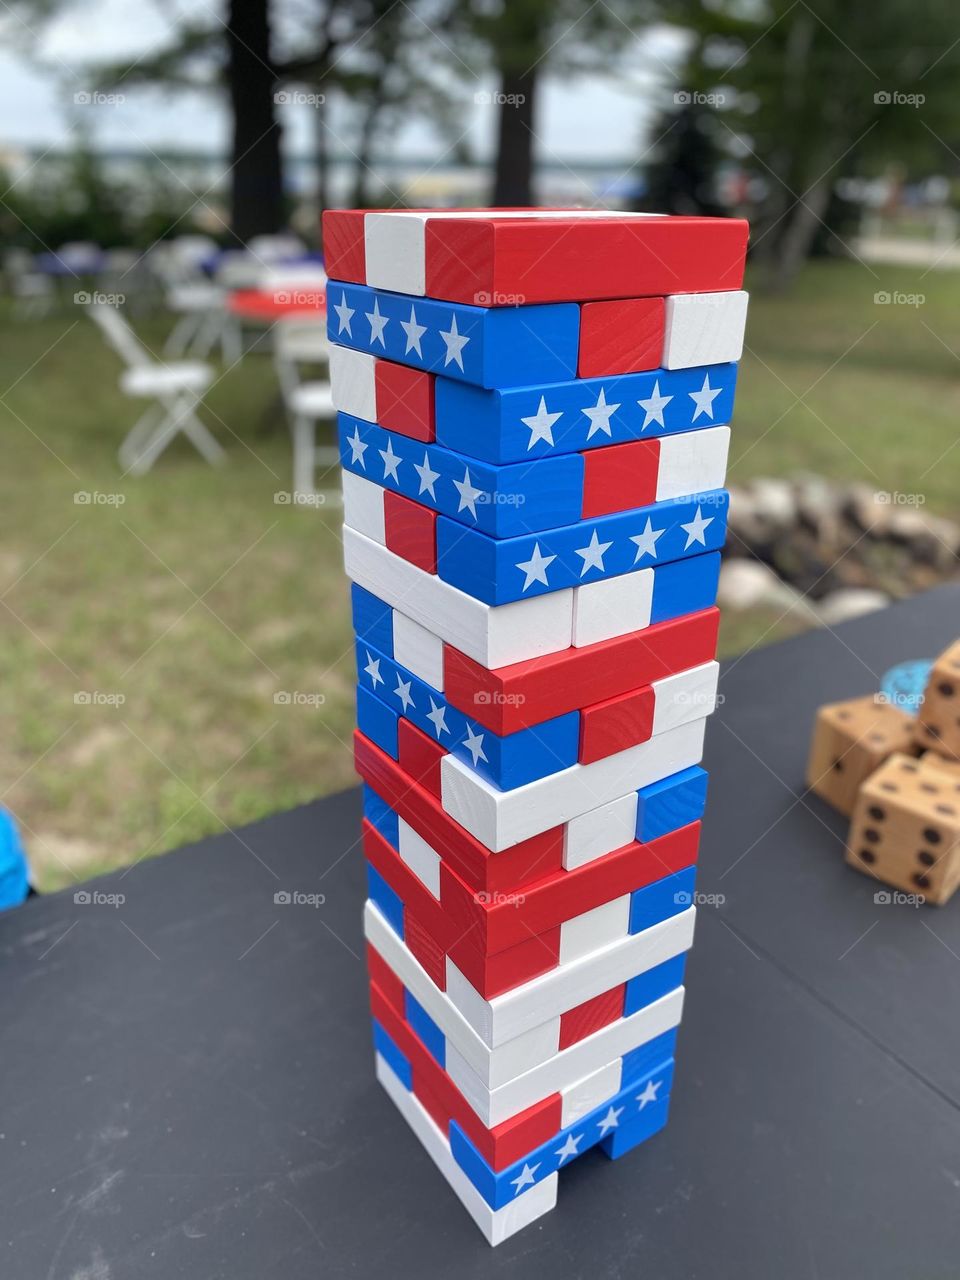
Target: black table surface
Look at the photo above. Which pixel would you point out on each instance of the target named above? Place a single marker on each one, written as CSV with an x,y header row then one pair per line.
x,y
187,1074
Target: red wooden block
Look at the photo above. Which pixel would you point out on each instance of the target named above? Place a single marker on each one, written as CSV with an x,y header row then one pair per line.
x,y
555,260
491,975
576,1024
625,336
526,693
482,870
616,724
388,982
410,530
420,756
405,400
344,256
620,477
424,948
499,1146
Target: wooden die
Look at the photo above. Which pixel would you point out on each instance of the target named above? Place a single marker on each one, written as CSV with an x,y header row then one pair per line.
x,y
938,724
850,740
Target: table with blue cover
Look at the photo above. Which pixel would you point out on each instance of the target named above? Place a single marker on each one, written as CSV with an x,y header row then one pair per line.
x,y
188,1083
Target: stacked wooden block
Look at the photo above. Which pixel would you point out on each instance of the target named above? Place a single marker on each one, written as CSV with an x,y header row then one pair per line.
x,y
532,415
897,777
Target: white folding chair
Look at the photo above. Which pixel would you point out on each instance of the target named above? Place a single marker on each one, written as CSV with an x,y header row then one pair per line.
x,y
298,342
175,390
197,303
33,292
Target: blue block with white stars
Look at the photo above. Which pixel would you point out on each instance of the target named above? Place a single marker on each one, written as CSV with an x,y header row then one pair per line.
x,y
502,501
638,1108
506,423
507,762
671,803
499,571
488,346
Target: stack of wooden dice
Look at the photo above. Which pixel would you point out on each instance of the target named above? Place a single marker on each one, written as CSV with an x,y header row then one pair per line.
x,y
897,777
532,416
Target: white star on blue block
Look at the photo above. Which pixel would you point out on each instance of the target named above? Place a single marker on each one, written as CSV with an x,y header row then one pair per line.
x,y
414,333
403,693
541,424
437,717
468,494
535,569
377,324
455,342
592,554
599,415
391,461
525,1178
344,315
570,1148
373,669
654,407
696,529
357,447
474,744
649,1093
428,477
704,398
646,541
611,1120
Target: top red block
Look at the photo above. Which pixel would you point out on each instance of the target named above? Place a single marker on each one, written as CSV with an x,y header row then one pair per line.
x,y
515,257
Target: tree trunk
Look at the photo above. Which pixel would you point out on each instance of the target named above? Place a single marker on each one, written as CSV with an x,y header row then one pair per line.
x,y
801,228
321,154
513,181
256,175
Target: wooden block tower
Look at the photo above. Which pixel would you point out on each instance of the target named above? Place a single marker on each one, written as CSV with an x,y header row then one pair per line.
x,y
533,419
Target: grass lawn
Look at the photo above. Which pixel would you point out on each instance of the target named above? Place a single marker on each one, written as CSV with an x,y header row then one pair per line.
x,y
184,610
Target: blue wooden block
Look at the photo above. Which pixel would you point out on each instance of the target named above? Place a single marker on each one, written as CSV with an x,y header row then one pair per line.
x,y
653,985
430,1034
685,586
372,619
378,722
516,423
640,1108
509,761
662,899
379,813
489,346
499,571
638,1130
671,803
502,501
388,1049
388,903
639,1062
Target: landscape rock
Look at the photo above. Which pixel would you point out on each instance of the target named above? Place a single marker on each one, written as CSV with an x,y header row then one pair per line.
x,y
841,606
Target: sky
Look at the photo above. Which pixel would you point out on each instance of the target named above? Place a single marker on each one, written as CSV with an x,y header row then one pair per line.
x,y
41,72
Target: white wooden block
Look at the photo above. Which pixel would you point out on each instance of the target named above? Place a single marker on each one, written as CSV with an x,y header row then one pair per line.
x,y
685,696
500,819
418,649
692,462
353,382
497,1225
363,508
423,861
493,635
578,1100
494,1106
594,929
593,834
704,328
493,1067
498,1020
612,606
